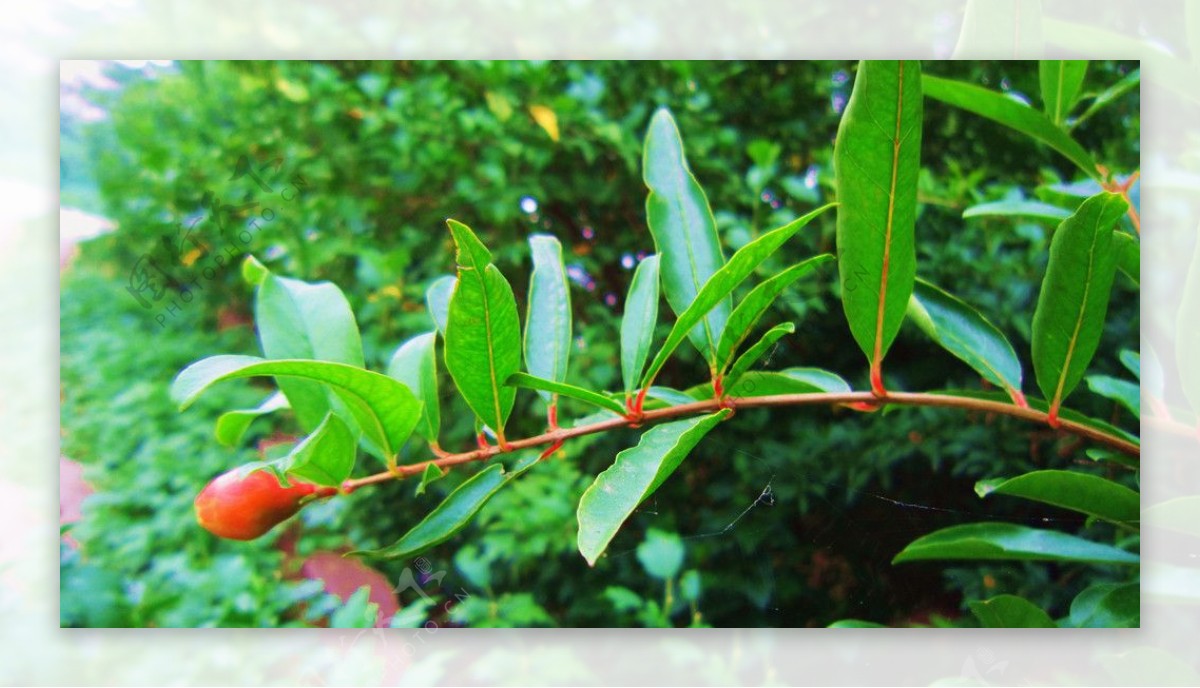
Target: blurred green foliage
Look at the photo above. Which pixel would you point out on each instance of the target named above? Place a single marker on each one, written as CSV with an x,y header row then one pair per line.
x,y
346,171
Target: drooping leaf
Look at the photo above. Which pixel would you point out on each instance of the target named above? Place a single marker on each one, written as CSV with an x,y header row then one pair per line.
x,y
385,410
961,330
1083,492
437,298
1124,392
548,319
483,332
566,390
1129,256
415,365
1010,611
1060,81
1069,317
877,159
326,456
454,513
1011,113
638,321
232,425
432,473
765,343
1034,209
685,233
721,284
1106,605
1009,542
751,308
634,476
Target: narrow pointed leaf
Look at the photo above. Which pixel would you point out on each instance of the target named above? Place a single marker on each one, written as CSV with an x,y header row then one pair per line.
x,y
1107,605
765,343
385,410
760,383
1132,361
232,425
1124,392
432,473
326,456
634,476
453,514
1129,82
1037,404
670,397
821,379
722,283
1074,298
1011,113
548,320
1009,542
1060,81
638,321
1034,209
751,308
1082,492
962,331
415,365
685,233
483,332
566,390
437,298
877,159
1010,611
1129,256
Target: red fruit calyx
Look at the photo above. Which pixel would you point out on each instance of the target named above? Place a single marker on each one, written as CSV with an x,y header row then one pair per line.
x,y
243,506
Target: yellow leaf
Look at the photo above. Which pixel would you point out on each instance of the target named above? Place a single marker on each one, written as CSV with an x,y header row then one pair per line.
x,y
499,105
190,257
546,119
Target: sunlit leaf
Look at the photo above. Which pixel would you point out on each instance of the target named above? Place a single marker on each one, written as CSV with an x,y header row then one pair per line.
x,y
437,298
1060,81
415,365
1034,209
1009,542
566,390
232,425
1124,392
548,318
326,456
638,321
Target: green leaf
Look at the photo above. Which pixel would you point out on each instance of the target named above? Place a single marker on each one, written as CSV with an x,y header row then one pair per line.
x,y
1107,605
638,321
751,308
358,611
415,366
1011,113
1034,209
634,476
661,554
1128,82
1060,81
877,159
1132,361
326,456
685,233
1037,404
432,473
1123,392
454,513
1010,611
759,383
722,283
1106,454
1129,256
298,320
566,390
1083,492
671,397
855,623
386,411
1073,301
755,352
548,319
823,380
483,333
232,425
1009,542
254,272
961,330
437,298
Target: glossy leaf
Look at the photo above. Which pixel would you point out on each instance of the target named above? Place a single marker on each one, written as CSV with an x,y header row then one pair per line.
x,y
1074,297
232,425
961,330
415,365
761,383
548,319
1124,392
454,513
483,333
326,456
685,233
877,159
722,283
566,390
1083,492
1009,542
1010,611
386,411
1060,81
821,379
1011,113
634,476
760,348
671,397
747,313
638,321
1107,605
1034,209
1129,256
437,298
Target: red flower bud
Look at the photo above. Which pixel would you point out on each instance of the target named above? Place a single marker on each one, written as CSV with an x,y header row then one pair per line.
x,y
243,507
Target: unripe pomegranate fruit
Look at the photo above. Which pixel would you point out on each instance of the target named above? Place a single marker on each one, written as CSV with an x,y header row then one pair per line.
x,y
243,507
